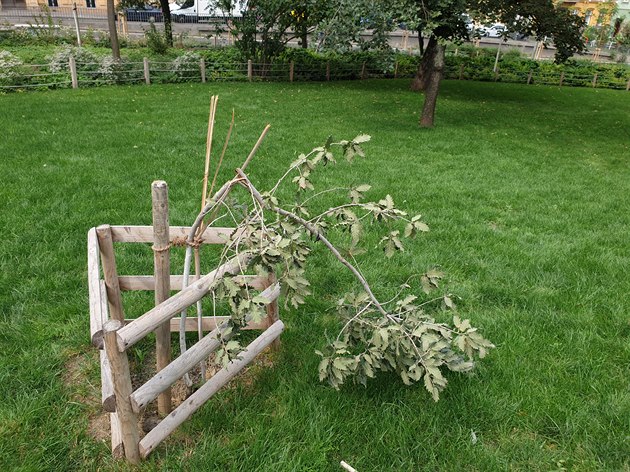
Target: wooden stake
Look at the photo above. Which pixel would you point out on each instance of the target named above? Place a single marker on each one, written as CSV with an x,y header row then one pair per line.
x,y
396,70
595,80
328,71
561,79
108,259
202,68
363,71
250,70
529,77
162,272
628,85
461,72
147,76
73,72
291,69
197,399
122,388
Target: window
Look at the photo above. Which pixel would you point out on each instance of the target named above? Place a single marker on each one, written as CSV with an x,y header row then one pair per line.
x,y
90,3
587,17
53,3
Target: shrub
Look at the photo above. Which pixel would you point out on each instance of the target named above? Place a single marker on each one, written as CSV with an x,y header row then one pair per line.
x,y
10,66
156,40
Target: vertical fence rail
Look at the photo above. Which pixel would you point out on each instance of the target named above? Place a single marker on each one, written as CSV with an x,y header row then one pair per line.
x,y
202,69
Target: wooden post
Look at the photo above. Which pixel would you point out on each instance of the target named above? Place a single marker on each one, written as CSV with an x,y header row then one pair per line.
x,y
291,70
328,71
496,74
456,51
197,399
396,70
363,71
561,79
595,80
529,77
122,388
461,72
628,85
162,274
147,76
250,70
73,72
202,67
108,260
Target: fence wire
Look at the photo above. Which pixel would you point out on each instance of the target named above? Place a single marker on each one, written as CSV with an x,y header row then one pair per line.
x,y
108,72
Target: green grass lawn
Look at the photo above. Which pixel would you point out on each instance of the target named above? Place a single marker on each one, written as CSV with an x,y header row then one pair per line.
x,y
526,191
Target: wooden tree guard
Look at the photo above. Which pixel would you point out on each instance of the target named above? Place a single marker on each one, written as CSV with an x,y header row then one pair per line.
x,y
110,332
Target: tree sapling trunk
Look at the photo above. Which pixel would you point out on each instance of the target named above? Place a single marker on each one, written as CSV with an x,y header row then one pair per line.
x,y
432,87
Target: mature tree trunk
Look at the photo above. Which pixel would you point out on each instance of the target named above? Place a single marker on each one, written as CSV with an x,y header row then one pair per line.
x,y
113,34
168,27
425,66
432,87
421,42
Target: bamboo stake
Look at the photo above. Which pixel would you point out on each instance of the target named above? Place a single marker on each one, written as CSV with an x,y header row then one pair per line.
x,y
162,274
122,388
225,145
106,246
197,399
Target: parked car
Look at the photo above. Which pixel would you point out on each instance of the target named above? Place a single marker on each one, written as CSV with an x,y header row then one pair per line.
x,y
495,31
144,13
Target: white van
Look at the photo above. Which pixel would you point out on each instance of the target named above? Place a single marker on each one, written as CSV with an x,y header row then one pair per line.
x,y
195,11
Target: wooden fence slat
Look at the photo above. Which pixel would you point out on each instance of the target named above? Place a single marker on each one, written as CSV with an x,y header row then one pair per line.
x,y
144,234
108,260
94,290
122,389
129,283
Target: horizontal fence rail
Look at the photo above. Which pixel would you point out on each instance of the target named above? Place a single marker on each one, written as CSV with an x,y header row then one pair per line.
x,y
195,69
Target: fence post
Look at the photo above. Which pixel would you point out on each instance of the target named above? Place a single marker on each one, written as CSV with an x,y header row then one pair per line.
x,y
396,70
561,78
73,72
202,67
122,389
250,70
147,76
162,273
291,68
461,71
328,71
529,77
628,85
363,71
595,80
496,74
